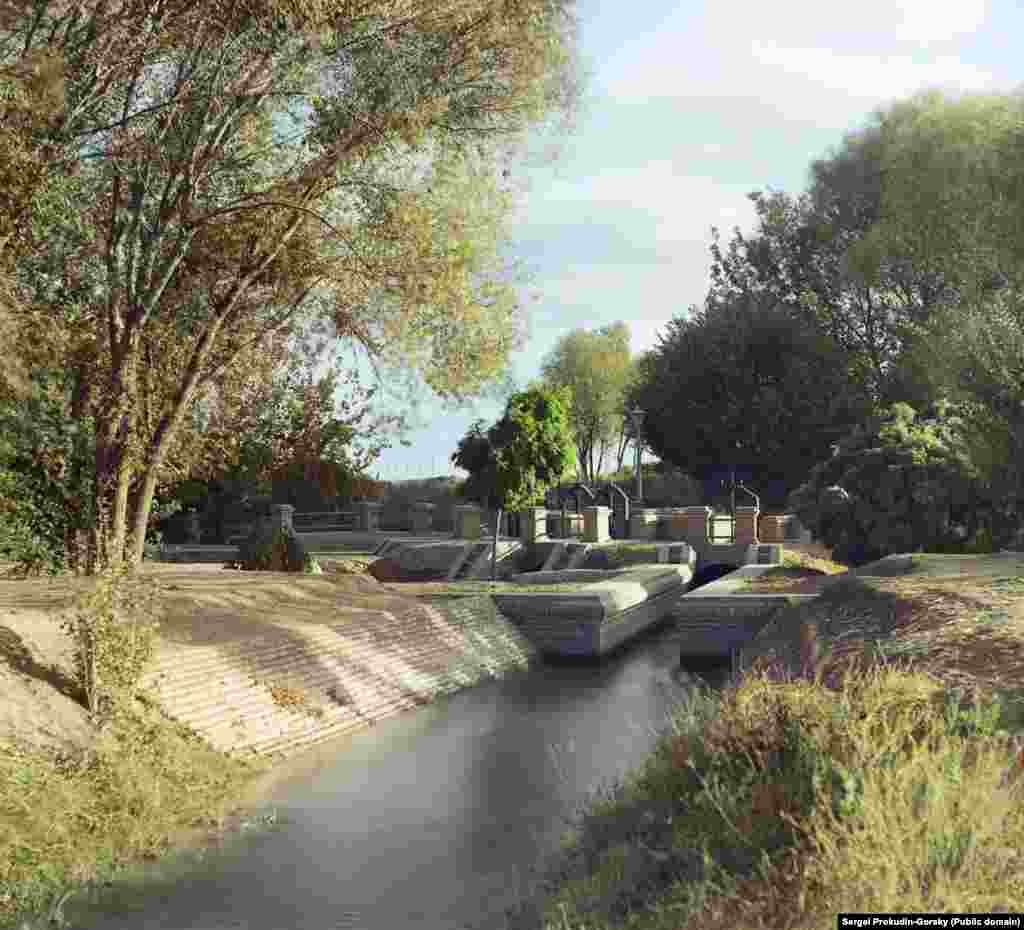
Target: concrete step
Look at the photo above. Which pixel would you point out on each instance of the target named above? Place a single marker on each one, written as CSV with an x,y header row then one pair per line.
x,y
481,568
313,673
555,557
463,566
264,722
577,554
241,686
327,729
283,730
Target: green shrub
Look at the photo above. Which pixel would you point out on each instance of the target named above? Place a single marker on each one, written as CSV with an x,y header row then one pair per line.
x,y
898,483
272,549
34,521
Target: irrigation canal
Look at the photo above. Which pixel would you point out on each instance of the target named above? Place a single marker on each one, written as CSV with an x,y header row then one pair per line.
x,y
431,820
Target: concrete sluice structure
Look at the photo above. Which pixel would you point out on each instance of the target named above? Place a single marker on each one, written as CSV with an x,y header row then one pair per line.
x,y
355,665
617,605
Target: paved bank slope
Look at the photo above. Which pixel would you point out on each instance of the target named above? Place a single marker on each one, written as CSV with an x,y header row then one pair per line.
x,y
281,662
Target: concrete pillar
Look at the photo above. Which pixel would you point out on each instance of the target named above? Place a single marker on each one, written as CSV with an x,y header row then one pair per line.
x,y
595,524
422,517
467,521
746,525
696,522
534,525
369,516
281,517
771,527
193,531
643,523
620,508
573,524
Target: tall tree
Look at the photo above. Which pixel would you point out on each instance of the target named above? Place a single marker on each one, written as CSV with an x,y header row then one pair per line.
x,y
596,367
743,384
953,185
217,227
526,452
818,254
952,200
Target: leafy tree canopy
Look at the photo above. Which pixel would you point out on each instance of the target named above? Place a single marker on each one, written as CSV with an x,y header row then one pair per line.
x,y
817,253
596,367
744,384
527,451
224,174
952,202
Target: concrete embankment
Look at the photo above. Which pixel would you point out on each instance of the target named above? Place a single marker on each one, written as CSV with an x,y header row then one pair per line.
x,y
274,664
717,622
280,664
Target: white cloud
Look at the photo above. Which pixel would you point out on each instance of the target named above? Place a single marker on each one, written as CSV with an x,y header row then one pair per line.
x,y
871,76
646,296
924,21
826,64
660,187
844,26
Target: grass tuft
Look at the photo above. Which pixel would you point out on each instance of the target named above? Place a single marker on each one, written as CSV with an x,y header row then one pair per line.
x,y
779,803
73,820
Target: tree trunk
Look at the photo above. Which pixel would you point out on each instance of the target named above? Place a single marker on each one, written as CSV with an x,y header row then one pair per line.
x,y
110,496
602,454
621,455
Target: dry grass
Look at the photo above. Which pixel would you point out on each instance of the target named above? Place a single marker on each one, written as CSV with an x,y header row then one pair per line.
x,y
66,820
785,580
877,769
799,573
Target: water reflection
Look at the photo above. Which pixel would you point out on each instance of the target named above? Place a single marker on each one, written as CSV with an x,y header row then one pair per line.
x,y
433,820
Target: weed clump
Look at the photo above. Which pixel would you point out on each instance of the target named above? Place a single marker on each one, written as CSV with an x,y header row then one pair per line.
x,y
779,803
113,627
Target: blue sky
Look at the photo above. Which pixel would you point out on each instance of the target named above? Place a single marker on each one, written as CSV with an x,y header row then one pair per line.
x,y
691,106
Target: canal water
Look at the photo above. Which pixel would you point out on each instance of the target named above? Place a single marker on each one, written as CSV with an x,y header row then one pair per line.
x,y
433,820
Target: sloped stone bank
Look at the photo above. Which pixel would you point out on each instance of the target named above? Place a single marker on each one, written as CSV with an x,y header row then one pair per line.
x,y
277,665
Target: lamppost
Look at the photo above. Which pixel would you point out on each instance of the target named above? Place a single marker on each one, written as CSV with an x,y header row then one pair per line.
x,y
637,416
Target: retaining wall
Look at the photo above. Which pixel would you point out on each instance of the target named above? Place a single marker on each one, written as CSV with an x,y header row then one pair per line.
x,y
716,625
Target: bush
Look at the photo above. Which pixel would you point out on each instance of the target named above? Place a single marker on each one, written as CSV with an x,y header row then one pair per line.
x,y
113,627
272,549
34,487
31,528
897,484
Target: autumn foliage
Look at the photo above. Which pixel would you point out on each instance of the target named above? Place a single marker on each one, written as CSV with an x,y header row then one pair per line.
x,y
211,178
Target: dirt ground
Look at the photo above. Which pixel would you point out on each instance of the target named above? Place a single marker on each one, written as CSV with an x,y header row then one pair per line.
x,y
961,621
